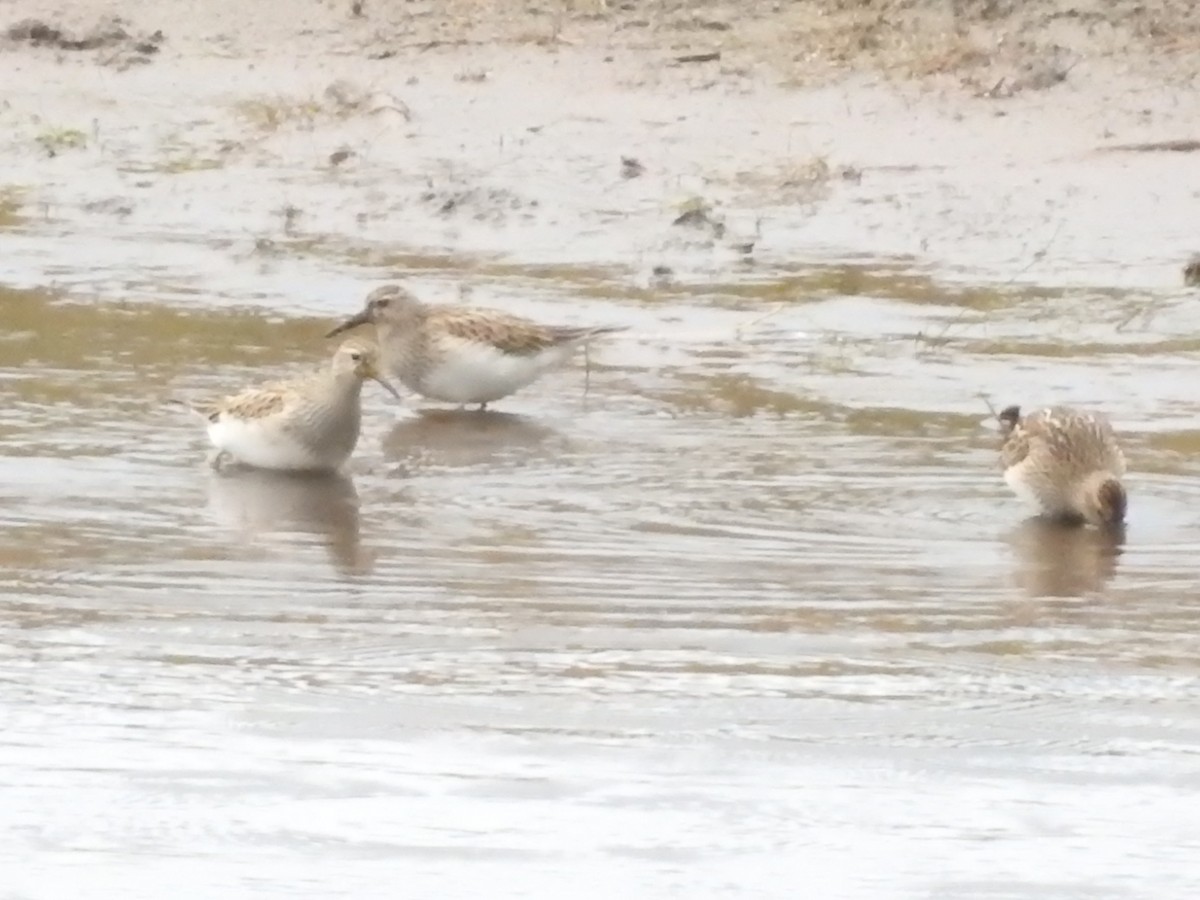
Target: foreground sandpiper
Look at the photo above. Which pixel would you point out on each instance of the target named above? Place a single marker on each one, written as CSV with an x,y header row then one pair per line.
x,y
306,424
459,354
1067,462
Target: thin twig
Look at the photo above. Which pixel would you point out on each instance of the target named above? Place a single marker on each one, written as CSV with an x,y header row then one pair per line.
x,y
757,319
1033,260
984,397
1040,255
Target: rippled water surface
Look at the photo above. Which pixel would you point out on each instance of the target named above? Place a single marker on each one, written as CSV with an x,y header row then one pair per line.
x,y
727,611
740,607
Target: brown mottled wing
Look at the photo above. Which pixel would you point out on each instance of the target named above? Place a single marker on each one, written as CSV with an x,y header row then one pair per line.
x,y
1080,440
508,334
1095,443
252,403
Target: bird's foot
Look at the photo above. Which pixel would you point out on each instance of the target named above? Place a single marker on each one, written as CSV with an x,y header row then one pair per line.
x,y
219,459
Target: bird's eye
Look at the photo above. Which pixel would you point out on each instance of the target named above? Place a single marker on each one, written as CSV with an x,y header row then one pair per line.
x,y
382,302
356,356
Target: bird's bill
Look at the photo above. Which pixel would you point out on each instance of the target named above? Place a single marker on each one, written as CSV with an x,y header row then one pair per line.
x,y
387,384
362,318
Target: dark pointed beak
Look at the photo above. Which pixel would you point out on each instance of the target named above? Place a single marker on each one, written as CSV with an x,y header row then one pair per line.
x,y
387,384
362,318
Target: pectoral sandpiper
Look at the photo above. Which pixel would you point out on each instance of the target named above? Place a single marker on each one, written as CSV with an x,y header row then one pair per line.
x,y
459,354
1067,462
310,423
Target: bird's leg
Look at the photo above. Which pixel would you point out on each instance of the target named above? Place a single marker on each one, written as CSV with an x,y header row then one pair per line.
x,y
218,458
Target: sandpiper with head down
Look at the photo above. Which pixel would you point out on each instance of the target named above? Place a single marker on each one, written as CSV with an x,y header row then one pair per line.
x,y
460,354
1067,462
310,423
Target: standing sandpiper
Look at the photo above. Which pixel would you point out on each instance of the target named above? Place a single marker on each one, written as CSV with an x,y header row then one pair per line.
x,y
460,354
1067,462
306,424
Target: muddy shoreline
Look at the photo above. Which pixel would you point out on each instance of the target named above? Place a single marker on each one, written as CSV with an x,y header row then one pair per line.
x,y
583,150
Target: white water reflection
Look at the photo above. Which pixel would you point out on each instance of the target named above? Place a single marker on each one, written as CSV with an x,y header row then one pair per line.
x,y
470,437
1057,560
257,506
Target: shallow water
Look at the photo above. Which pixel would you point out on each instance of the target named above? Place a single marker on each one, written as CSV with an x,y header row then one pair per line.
x,y
742,609
749,610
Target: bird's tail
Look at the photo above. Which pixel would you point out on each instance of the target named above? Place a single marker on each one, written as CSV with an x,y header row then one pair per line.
x,y
572,334
200,410
1111,501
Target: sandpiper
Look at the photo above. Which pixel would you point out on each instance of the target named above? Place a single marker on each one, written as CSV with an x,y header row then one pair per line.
x,y
1067,462
459,354
310,423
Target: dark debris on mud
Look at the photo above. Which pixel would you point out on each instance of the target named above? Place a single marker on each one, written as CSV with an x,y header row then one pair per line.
x,y
1191,272
631,168
480,203
124,46
1040,70
699,215
1182,145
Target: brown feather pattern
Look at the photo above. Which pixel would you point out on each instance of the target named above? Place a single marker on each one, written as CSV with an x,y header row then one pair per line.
x,y
1068,460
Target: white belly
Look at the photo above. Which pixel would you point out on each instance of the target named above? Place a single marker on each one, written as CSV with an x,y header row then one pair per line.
x,y
480,374
1043,496
266,446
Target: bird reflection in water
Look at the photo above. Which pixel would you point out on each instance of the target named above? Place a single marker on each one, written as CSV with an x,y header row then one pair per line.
x,y
256,503
466,437
1056,559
